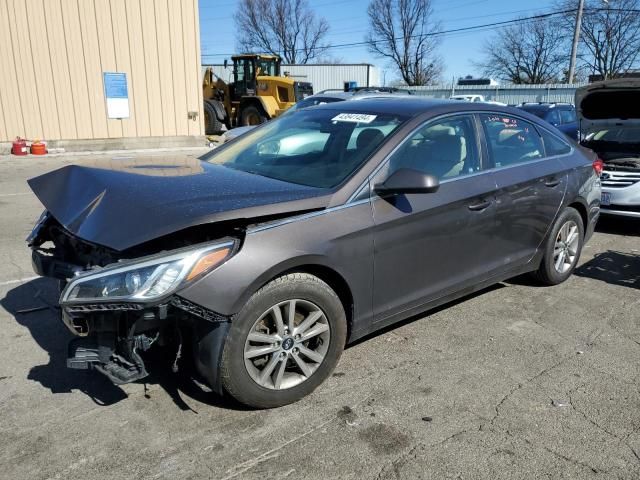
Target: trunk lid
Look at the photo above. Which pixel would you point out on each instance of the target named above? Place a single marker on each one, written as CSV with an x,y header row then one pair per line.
x,y
608,104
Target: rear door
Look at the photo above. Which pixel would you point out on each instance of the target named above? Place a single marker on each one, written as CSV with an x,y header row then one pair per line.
x,y
429,245
530,183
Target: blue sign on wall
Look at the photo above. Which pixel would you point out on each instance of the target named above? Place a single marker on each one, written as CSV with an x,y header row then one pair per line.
x,y
115,85
117,94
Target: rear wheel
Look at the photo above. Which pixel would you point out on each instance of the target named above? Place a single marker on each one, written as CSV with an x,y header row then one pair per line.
x,y
284,343
252,115
563,248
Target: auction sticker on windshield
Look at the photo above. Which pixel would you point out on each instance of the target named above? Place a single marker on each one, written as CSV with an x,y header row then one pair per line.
x,y
354,118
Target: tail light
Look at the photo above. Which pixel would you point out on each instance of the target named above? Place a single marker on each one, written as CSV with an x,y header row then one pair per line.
x,y
598,166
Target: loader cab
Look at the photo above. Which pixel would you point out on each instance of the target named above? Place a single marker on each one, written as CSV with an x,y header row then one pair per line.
x,y
247,67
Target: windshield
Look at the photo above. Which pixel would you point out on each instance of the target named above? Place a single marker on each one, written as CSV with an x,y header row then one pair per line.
x,y
267,67
615,135
316,147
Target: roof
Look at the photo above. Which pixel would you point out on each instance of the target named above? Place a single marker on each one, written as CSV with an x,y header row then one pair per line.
x,y
256,55
406,104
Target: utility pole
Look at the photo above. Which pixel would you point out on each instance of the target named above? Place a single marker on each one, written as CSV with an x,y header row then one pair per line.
x,y
576,39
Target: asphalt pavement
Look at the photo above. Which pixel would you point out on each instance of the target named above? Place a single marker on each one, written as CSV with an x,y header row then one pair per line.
x,y
516,382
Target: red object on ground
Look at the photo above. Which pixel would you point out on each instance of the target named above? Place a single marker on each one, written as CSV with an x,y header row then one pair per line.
x,y
19,146
38,148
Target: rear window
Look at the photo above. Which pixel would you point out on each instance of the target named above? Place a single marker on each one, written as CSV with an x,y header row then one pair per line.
x,y
553,146
568,116
540,112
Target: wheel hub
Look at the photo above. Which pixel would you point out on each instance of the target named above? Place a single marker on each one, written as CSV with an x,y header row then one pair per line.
x,y
287,343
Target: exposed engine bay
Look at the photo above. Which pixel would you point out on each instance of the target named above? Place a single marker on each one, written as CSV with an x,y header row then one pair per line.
x,y
115,334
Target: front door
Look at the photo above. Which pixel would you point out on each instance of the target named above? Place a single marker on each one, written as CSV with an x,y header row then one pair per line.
x,y
429,245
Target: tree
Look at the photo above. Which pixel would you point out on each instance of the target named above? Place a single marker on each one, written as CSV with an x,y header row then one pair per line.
x,y
404,32
610,36
288,28
527,52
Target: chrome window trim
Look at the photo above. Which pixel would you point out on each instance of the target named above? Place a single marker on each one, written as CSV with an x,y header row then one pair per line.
x,y
367,185
537,127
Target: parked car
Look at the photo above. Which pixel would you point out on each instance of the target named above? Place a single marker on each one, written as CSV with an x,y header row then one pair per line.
x,y
610,125
468,98
560,115
476,98
267,264
326,96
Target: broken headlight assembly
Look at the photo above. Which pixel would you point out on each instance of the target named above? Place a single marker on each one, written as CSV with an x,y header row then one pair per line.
x,y
149,279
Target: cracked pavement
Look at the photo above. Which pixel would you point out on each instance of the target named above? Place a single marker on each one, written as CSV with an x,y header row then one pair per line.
x,y
516,382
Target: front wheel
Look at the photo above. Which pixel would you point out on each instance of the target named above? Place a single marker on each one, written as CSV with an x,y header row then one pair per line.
x,y
563,248
252,115
284,343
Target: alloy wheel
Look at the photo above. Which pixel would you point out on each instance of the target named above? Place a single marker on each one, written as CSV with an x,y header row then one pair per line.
x,y
566,247
287,344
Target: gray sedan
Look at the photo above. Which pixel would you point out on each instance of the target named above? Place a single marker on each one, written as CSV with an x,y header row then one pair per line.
x,y
266,261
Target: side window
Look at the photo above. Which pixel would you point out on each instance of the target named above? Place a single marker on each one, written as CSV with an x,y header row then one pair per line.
x,y
444,148
511,140
568,116
553,117
553,145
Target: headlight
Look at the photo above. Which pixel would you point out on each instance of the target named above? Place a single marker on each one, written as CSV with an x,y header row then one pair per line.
x,y
147,280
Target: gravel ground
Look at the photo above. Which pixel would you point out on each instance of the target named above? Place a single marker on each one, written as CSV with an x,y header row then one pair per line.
x,y
518,381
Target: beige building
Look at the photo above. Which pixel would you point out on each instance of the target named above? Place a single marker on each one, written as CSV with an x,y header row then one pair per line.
x,y
54,55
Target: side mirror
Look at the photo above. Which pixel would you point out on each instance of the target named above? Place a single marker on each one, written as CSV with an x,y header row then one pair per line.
x,y
407,180
226,63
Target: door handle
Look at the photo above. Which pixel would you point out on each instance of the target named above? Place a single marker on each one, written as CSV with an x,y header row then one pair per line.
x,y
552,182
476,207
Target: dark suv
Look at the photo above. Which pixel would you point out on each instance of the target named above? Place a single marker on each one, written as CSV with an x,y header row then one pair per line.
x,y
560,115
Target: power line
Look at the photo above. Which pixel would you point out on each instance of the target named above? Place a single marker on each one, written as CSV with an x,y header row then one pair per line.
x,y
473,28
433,34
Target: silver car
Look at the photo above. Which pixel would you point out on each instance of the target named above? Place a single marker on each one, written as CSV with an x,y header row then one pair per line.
x,y
610,125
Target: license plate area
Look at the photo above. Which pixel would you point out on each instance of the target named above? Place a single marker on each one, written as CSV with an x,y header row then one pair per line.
x,y
605,199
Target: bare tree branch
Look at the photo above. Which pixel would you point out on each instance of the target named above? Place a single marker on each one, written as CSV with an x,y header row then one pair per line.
x,y
610,36
288,28
528,52
402,31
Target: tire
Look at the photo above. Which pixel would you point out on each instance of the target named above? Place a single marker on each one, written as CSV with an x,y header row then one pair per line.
x,y
561,243
212,125
252,115
315,302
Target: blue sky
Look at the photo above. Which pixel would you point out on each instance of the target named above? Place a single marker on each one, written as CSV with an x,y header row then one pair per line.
x,y
348,23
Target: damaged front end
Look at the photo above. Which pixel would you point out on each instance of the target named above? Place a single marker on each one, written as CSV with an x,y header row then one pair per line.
x,y
120,304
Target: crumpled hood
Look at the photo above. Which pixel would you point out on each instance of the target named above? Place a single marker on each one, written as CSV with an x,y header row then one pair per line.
x,y
120,203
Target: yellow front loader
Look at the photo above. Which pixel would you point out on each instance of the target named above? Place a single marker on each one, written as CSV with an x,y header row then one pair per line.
x,y
257,93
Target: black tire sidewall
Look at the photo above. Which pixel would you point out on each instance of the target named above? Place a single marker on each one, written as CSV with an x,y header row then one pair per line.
x,y
235,378
213,126
252,109
547,273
